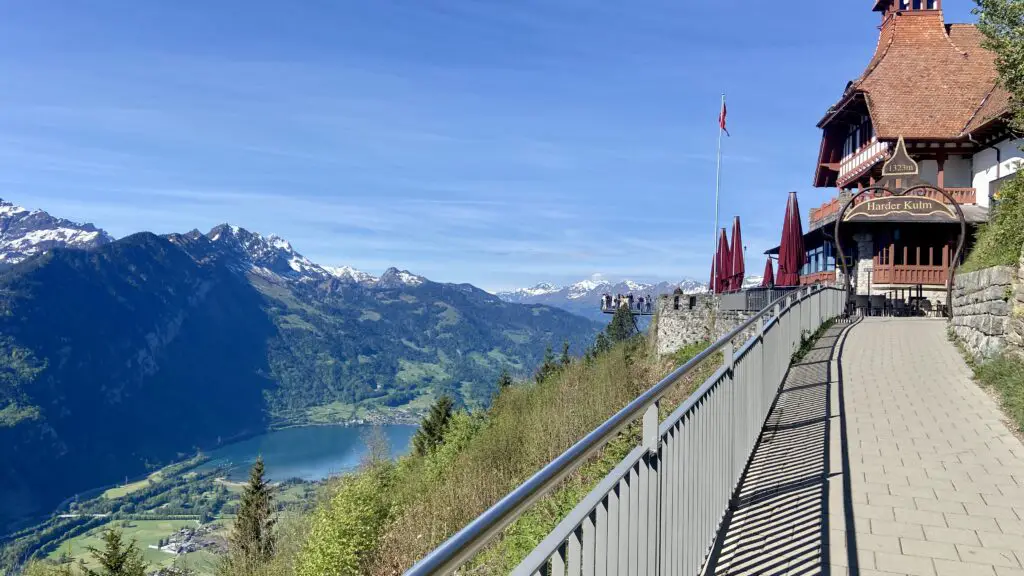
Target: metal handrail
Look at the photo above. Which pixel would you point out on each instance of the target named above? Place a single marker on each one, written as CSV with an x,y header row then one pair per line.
x,y
462,546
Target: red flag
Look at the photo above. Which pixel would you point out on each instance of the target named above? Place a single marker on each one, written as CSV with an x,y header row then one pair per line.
x,y
721,119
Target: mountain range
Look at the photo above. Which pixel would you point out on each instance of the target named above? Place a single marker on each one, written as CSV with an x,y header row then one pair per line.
x,y
118,355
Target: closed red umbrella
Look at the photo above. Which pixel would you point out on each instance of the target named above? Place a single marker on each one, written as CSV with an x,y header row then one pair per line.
x,y
791,250
738,267
724,263
714,284
768,280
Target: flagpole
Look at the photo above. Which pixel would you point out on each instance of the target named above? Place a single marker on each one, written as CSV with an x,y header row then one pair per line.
x,y
718,185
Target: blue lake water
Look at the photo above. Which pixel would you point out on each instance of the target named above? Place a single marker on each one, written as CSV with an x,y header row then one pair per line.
x,y
309,452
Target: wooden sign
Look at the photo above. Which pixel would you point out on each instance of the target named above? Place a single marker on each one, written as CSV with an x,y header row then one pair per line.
x,y
901,209
900,163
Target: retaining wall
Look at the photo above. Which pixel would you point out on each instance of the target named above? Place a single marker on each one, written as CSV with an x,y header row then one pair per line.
x,y
988,310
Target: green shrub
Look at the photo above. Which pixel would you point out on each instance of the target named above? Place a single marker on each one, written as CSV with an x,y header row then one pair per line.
x,y
343,532
999,242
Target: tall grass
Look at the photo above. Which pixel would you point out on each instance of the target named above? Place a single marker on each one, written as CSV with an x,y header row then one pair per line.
x,y
1005,375
383,519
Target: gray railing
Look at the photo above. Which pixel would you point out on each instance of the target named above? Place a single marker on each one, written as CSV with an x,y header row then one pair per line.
x,y
752,299
659,510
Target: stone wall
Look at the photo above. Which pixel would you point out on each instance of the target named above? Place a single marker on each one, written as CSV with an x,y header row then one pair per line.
x,y
687,318
988,310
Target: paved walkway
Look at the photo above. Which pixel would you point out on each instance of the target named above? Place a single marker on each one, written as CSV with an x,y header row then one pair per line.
x,y
900,466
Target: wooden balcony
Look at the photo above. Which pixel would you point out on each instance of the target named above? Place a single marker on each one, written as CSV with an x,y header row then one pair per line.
x,y
825,277
886,271
827,212
906,274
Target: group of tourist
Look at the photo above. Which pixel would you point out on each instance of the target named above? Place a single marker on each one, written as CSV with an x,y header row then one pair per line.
x,y
642,305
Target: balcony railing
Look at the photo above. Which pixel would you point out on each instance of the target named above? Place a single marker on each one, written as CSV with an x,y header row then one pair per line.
x,y
827,212
818,278
659,510
908,274
752,299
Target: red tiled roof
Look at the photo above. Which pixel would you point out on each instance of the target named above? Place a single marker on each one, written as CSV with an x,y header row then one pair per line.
x,y
927,80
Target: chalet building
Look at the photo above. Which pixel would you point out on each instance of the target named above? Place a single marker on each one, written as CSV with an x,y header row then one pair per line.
x,y
932,86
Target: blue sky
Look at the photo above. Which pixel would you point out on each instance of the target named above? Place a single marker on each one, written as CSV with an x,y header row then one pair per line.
x,y
486,141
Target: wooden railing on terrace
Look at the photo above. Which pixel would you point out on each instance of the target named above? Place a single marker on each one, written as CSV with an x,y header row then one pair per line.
x,y
830,209
818,278
908,274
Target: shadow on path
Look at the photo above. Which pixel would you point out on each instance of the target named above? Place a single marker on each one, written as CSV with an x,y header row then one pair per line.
x,y
779,521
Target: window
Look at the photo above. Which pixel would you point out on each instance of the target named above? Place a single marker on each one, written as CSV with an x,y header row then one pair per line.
x,y
693,302
859,135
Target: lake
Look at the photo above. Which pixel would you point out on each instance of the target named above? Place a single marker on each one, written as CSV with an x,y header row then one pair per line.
x,y
309,452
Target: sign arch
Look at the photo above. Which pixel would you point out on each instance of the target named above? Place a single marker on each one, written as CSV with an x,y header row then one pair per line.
x,y
900,190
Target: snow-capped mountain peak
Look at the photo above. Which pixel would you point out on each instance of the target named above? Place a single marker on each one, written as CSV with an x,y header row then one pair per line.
x,y
349,273
585,287
395,278
279,243
25,233
271,254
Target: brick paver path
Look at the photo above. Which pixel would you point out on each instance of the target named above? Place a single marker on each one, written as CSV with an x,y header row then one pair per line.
x,y
904,460
935,479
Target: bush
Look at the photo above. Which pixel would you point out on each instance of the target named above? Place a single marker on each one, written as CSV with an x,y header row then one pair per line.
x,y
344,530
999,242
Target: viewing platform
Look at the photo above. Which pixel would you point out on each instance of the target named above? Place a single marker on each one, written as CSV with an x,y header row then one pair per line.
x,y
637,305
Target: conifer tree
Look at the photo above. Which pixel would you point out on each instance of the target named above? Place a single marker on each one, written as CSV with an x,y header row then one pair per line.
x,y
505,380
252,537
547,367
601,345
566,359
621,327
116,558
434,425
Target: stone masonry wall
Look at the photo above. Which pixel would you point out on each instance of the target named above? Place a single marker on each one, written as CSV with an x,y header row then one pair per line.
x,y
988,310
687,318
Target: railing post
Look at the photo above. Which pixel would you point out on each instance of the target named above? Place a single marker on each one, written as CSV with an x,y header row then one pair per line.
x,y
731,392
650,428
651,509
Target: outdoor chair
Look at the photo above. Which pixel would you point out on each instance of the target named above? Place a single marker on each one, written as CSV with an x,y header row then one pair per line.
x,y
926,307
878,305
862,304
899,307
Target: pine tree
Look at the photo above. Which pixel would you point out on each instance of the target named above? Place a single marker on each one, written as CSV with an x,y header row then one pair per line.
x,y
621,327
116,558
566,359
252,537
505,380
434,425
547,367
601,345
